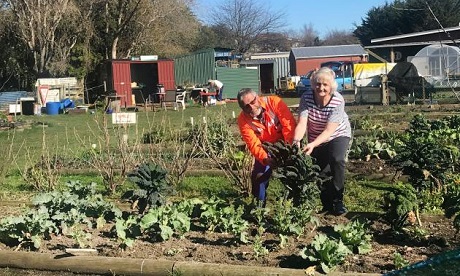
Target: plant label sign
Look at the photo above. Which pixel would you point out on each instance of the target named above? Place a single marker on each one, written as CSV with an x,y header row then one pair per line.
x,y
124,118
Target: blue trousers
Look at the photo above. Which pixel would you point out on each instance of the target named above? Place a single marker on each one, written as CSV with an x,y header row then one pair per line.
x,y
219,94
260,177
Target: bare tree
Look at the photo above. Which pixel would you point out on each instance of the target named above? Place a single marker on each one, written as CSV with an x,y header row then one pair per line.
x,y
126,26
309,36
247,20
337,37
169,29
274,42
37,22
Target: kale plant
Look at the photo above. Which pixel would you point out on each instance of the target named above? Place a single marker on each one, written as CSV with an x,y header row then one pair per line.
x,y
152,187
296,171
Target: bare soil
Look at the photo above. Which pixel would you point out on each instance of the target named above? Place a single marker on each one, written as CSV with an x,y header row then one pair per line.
x,y
202,246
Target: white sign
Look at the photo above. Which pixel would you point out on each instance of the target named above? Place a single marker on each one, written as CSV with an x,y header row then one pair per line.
x,y
149,58
124,118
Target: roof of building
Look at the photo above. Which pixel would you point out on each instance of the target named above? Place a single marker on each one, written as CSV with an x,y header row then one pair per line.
x,y
328,51
449,35
11,97
271,55
257,61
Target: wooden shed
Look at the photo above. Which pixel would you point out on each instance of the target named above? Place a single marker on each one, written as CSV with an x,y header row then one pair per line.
x,y
304,59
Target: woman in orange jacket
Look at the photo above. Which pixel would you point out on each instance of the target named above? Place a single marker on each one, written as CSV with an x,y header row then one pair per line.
x,y
263,119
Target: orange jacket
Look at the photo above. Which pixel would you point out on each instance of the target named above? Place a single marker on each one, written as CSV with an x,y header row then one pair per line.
x,y
279,125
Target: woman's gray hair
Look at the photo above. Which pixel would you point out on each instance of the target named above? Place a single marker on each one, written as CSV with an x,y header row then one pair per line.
x,y
324,72
244,92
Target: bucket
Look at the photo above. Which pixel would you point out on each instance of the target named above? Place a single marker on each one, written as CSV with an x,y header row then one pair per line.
x,y
27,107
52,108
67,103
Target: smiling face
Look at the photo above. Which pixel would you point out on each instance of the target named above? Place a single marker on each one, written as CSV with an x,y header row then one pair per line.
x,y
250,105
323,83
323,87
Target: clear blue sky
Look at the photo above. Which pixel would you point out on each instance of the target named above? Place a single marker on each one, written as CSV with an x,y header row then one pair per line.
x,y
324,15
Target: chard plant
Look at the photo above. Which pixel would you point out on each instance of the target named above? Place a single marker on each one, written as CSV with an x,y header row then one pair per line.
x,y
328,252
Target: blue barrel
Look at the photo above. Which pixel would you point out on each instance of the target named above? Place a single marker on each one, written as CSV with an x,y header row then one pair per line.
x,y
52,108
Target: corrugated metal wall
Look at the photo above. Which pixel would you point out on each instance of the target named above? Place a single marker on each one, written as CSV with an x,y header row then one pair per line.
x,y
123,72
281,69
281,61
236,78
166,74
303,66
121,80
7,98
281,65
196,68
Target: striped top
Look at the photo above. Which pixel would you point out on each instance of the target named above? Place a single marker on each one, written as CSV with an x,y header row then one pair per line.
x,y
318,117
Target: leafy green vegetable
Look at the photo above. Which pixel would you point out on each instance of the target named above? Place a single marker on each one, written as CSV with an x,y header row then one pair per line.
x,y
328,252
355,235
152,187
296,171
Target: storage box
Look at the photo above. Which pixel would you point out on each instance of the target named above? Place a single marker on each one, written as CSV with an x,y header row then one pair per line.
x,y
14,108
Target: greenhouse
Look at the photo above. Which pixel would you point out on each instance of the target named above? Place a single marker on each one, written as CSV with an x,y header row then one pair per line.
x,y
439,64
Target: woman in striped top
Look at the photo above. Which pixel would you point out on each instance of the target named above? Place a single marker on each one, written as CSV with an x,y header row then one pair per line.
x,y
322,115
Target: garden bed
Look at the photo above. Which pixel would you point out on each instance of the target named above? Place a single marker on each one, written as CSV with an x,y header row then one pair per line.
x,y
211,249
205,247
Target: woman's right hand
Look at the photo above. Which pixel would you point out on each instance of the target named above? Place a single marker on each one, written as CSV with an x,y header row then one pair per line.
x,y
308,149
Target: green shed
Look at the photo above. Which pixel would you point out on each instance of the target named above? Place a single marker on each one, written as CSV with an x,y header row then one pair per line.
x,y
236,78
195,68
215,63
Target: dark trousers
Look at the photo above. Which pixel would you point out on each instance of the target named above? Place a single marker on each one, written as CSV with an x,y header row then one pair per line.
x,y
330,157
260,177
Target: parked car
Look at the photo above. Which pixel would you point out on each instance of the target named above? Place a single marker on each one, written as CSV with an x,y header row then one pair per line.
x,y
304,83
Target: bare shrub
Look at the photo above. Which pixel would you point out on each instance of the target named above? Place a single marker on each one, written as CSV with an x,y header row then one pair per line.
x,y
113,151
216,140
43,175
168,148
8,157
